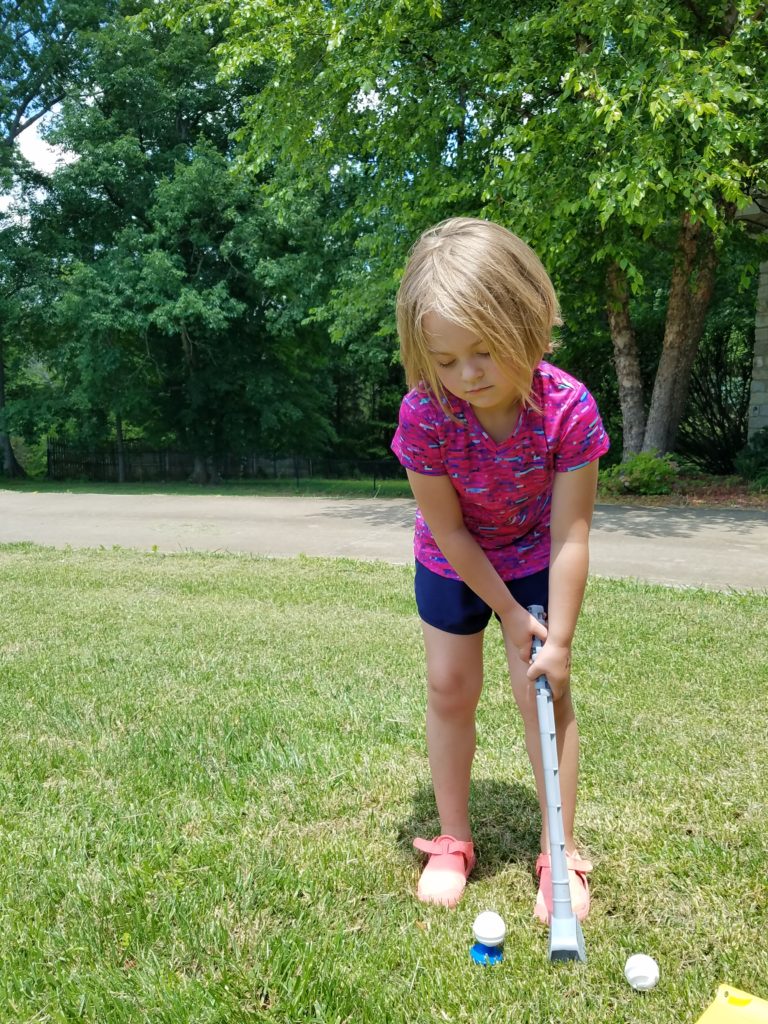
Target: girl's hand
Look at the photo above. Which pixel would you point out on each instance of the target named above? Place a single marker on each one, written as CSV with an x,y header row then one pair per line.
x,y
519,628
554,662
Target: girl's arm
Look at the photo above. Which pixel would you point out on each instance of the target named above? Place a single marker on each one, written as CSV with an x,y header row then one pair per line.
x,y
573,501
439,504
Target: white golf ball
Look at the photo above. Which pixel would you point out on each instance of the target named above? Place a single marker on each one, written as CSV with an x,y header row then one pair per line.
x,y
489,928
641,971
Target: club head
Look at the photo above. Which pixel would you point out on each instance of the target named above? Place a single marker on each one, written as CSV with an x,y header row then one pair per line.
x,y
566,939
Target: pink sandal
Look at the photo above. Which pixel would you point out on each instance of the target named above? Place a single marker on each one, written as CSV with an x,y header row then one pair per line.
x,y
578,869
450,864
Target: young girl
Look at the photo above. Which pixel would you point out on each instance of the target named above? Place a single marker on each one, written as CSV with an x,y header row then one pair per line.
x,y
501,451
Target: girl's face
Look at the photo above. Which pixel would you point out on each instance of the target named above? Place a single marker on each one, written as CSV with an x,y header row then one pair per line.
x,y
465,368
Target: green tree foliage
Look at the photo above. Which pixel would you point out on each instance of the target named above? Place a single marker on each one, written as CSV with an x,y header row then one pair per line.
x,y
607,134
19,266
41,46
182,296
180,279
41,50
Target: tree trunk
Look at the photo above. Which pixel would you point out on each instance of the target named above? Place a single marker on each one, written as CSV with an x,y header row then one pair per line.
x,y
120,445
690,293
626,361
10,464
205,471
199,474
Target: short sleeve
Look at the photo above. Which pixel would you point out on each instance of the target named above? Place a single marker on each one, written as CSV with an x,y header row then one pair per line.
x,y
581,438
417,442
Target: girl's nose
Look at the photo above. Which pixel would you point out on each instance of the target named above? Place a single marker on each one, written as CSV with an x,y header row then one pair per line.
x,y
471,370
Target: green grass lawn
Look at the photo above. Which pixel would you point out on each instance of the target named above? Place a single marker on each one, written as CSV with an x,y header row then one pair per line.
x,y
212,767
282,487
704,492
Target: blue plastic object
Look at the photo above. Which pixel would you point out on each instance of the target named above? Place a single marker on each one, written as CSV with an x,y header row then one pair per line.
x,y
486,955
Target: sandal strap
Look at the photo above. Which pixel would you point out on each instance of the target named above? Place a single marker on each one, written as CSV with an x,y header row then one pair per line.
x,y
446,844
578,864
573,860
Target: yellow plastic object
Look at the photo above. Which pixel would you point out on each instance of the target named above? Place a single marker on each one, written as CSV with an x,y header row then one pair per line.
x,y
734,1007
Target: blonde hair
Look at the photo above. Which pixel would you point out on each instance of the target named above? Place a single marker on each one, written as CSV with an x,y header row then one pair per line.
x,y
483,278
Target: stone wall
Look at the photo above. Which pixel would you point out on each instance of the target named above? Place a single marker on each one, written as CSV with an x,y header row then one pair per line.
x,y
758,401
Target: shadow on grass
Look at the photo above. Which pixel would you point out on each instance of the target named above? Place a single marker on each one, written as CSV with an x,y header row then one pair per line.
x,y
505,824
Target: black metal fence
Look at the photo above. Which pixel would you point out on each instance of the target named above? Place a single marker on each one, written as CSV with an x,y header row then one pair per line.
x,y
140,464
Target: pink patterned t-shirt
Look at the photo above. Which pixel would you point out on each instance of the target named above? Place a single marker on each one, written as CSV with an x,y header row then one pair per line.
x,y
505,489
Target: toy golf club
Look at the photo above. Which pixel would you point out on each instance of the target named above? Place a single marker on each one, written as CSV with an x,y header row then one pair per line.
x,y
566,939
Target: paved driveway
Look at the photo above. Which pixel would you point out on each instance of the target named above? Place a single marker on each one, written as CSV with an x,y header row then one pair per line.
x,y
692,547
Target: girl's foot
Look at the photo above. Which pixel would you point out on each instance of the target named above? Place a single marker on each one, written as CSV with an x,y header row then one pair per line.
x,y
578,869
450,863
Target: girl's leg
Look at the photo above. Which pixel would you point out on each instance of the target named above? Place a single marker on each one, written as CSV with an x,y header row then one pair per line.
x,y
567,748
454,683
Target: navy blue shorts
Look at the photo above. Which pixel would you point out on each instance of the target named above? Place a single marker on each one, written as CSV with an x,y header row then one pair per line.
x,y
451,606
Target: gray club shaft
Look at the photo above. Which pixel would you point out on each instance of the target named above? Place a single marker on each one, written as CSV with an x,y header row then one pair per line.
x,y
561,890
566,941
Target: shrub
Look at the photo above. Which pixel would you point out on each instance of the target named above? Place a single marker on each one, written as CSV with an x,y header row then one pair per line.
x,y
752,460
715,424
32,456
645,473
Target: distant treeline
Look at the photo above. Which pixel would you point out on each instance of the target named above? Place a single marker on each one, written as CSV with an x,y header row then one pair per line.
x,y
213,267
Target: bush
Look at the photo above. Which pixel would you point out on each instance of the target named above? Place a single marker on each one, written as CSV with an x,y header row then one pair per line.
x,y
32,456
645,473
752,460
715,423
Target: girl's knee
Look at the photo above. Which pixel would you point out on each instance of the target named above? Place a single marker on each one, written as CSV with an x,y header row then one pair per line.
x,y
563,709
529,714
526,703
525,698
451,692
